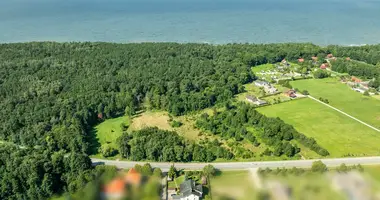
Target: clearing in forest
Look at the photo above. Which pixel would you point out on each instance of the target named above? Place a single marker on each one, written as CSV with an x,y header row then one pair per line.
x,y
108,131
340,96
339,134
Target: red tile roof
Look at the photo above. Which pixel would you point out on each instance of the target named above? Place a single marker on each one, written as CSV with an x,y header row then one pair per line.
x,y
323,66
301,60
348,58
115,187
314,58
329,55
133,177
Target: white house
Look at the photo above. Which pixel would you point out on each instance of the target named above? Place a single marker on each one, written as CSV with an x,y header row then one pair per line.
x,y
189,191
261,83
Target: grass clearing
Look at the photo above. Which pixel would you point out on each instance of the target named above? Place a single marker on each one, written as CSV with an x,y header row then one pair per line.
x,y
332,130
342,97
311,186
264,67
232,184
176,182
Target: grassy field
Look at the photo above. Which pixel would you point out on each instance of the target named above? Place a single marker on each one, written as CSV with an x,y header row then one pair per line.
x,y
336,132
232,185
176,182
309,186
342,97
263,67
108,131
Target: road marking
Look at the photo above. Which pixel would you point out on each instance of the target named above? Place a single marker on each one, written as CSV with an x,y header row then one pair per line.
x,y
376,129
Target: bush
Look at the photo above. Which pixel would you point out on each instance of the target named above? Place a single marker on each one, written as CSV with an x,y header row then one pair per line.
x,y
321,74
157,172
108,151
305,92
175,124
366,93
318,166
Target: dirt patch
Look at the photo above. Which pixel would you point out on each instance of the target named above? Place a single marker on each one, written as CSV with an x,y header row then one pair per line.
x,y
151,119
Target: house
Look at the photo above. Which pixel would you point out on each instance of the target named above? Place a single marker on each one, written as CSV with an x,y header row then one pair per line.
x,y
270,89
133,177
251,99
359,90
261,83
284,62
260,102
348,58
329,55
323,66
314,58
301,60
189,191
117,188
356,80
114,190
291,93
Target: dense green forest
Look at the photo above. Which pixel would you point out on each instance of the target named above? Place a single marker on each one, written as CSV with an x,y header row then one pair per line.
x,y
233,123
51,94
159,145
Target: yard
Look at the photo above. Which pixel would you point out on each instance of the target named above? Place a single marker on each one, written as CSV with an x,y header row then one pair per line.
x,y
334,131
264,67
309,186
342,97
232,185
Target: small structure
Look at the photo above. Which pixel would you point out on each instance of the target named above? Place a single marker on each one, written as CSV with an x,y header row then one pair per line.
x,y
314,58
260,102
323,66
301,60
284,62
359,90
189,191
356,80
329,55
291,93
261,83
270,89
251,99
133,177
348,58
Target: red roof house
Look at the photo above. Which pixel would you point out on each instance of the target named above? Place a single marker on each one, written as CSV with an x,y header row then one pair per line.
x,y
301,60
356,80
314,58
348,58
114,189
133,177
291,93
323,66
329,55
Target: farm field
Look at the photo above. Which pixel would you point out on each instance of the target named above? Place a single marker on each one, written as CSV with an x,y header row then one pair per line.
x,y
334,131
232,185
342,97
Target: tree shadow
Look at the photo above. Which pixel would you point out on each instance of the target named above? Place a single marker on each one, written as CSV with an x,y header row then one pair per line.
x,y
94,144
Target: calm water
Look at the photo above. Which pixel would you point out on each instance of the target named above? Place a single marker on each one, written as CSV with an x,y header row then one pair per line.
x,y
346,22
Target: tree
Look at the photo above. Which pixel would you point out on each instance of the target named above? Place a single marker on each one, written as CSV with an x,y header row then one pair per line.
x,y
318,166
147,169
343,168
172,173
157,172
305,92
366,93
209,171
321,74
108,151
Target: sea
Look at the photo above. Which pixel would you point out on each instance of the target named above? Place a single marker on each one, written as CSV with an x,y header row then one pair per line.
x,y
322,22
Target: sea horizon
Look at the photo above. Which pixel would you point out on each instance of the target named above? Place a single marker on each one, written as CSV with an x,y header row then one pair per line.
x,y
321,22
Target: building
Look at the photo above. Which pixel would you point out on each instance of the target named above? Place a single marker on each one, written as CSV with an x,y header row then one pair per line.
x,y
270,89
133,177
323,66
301,60
314,58
356,80
260,102
284,62
251,99
189,191
261,83
114,190
348,58
291,93
329,55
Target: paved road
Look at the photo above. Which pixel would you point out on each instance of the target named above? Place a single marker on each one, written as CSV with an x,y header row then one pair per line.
x,y
246,165
374,128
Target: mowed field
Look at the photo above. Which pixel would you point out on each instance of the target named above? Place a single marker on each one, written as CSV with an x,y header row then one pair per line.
x,y
340,96
334,131
108,131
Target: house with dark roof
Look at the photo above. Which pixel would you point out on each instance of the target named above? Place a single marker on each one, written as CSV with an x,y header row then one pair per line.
x,y
189,191
251,99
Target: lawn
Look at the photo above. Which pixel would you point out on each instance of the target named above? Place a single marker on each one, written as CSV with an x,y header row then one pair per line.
x,y
264,67
232,185
342,97
177,182
107,132
334,131
309,186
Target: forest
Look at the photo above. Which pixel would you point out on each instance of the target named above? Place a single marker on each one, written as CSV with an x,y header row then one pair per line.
x,y
51,94
233,123
153,144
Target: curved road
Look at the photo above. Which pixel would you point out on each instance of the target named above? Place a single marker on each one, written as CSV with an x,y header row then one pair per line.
x,y
332,162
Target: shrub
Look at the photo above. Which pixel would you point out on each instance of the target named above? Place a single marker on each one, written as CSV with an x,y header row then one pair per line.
x,y
108,151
